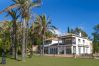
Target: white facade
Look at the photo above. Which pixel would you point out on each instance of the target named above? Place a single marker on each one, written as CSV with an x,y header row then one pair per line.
x,y
82,46
70,44
78,44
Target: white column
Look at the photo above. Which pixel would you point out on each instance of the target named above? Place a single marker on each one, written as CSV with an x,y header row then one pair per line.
x,y
83,50
58,50
77,50
71,49
65,50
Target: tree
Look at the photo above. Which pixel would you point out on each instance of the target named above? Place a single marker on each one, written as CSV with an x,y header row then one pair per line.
x,y
44,25
96,39
68,30
14,17
5,36
77,30
24,8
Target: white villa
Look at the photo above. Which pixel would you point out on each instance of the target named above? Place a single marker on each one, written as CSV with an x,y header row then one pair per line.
x,y
69,44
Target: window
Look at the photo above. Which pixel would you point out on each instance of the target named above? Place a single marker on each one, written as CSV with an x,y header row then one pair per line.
x,y
48,41
73,41
74,49
79,49
83,41
63,40
68,50
79,40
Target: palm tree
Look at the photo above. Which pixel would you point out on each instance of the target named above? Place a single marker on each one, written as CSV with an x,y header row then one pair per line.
x,y
25,12
14,17
44,26
23,6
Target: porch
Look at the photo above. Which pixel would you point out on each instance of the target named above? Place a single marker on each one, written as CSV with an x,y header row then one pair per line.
x,y
61,49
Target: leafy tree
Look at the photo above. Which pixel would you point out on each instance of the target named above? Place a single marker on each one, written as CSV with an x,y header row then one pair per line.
x,y
96,39
77,30
68,30
5,36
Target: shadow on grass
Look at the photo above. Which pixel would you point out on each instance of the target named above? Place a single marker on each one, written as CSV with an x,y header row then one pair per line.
x,y
15,59
9,57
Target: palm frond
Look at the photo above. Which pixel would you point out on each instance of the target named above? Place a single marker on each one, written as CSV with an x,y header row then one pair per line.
x,y
15,1
13,14
36,3
9,8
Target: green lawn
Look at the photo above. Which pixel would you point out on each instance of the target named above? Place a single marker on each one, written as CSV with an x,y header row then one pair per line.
x,y
52,61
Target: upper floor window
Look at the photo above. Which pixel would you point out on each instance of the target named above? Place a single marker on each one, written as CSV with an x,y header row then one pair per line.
x,y
63,40
79,40
83,41
73,40
48,42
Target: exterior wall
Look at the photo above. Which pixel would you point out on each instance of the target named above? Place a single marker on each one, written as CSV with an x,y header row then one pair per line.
x,y
83,46
78,45
34,48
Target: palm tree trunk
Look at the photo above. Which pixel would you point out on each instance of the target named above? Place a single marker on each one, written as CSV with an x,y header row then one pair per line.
x,y
14,38
43,44
27,38
12,45
24,41
43,47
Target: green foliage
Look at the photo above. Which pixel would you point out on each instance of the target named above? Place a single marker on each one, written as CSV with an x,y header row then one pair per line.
x,y
96,39
77,30
49,34
18,36
0,46
44,26
68,30
41,27
37,41
95,47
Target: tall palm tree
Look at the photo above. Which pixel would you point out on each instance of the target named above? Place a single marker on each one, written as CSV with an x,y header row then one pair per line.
x,y
44,26
14,17
23,6
25,13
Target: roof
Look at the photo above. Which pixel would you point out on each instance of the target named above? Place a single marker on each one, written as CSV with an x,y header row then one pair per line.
x,y
74,35
53,42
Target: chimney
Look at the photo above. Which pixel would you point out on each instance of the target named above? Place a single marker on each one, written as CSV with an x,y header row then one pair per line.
x,y
80,34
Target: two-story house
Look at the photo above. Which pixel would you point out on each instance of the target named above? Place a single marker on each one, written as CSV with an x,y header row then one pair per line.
x,y
69,44
76,44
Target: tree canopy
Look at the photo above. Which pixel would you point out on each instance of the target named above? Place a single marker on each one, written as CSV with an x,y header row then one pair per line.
x,y
96,38
77,30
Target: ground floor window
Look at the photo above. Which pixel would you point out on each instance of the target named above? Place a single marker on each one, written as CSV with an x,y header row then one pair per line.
x,y
53,51
79,49
68,50
74,50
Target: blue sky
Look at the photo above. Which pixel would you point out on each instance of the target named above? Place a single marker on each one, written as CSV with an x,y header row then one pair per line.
x,y
64,13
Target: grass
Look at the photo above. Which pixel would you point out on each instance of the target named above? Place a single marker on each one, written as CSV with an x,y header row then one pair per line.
x,y
52,61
